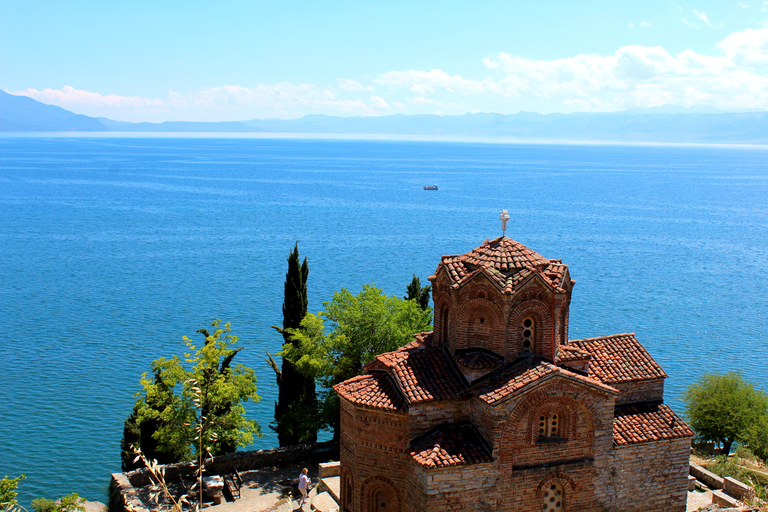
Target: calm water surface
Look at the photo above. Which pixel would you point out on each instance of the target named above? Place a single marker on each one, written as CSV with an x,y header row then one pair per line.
x,y
111,249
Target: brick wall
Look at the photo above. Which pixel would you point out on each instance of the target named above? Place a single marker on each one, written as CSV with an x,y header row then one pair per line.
x,y
640,391
373,448
648,477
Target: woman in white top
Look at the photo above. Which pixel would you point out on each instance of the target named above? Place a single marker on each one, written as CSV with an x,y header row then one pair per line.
x,y
303,485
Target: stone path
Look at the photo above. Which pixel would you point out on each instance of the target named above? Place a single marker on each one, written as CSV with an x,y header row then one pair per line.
x,y
697,500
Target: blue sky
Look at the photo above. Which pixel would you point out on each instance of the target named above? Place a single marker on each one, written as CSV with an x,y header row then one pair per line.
x,y
236,60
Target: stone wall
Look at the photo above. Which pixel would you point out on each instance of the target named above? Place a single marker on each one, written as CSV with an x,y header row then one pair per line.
x,y
649,477
640,391
373,453
123,486
459,488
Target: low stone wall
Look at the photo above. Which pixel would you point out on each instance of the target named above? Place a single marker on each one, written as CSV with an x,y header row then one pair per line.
x,y
737,489
124,497
708,478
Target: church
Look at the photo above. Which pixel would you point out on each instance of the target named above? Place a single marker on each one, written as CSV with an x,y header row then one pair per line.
x,y
497,410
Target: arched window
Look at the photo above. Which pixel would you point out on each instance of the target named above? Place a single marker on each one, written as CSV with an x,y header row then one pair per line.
x,y
379,496
347,489
529,329
549,425
554,497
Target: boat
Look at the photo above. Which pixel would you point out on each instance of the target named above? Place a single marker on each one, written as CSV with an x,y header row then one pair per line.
x,y
430,187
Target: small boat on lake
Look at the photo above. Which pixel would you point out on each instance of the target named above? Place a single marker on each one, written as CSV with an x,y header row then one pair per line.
x,y
430,187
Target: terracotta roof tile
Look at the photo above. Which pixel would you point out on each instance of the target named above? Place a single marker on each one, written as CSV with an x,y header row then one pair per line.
x,y
568,353
645,423
372,390
619,358
478,359
422,372
517,376
505,255
451,445
506,263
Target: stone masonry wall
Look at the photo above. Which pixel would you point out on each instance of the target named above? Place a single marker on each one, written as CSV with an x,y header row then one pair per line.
x,y
640,391
427,415
649,477
457,488
373,448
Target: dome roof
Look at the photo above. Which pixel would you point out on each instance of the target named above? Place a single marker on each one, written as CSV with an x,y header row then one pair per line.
x,y
505,255
506,262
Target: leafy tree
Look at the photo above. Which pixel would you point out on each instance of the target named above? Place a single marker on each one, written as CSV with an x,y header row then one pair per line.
x,y
726,409
8,493
296,407
361,327
176,399
70,503
419,293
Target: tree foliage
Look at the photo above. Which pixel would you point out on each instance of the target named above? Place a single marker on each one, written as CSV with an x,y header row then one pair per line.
x,y
70,503
725,409
8,493
296,407
361,327
419,293
176,398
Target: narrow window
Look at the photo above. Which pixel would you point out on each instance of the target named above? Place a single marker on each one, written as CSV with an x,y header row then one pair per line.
x,y
528,331
549,425
553,430
553,499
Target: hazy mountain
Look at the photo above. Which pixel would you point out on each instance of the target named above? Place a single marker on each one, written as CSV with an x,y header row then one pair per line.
x,y
22,114
658,124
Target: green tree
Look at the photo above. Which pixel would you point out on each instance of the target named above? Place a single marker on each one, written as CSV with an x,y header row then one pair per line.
x,y
361,327
296,406
175,399
8,493
70,503
419,293
725,409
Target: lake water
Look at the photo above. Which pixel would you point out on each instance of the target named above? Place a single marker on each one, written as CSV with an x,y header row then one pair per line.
x,y
111,249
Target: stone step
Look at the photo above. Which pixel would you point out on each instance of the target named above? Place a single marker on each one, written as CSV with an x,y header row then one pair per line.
x,y
332,484
324,502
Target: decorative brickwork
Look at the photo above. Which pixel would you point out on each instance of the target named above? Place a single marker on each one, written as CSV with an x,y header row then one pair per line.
x,y
496,410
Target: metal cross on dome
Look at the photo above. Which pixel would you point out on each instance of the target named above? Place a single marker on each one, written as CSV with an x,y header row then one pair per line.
x,y
504,218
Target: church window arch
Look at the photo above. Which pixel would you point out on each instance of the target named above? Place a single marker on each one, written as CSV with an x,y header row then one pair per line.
x,y
554,498
528,332
380,496
549,425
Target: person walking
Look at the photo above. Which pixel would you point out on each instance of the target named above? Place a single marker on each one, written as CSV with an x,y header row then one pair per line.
x,y
303,486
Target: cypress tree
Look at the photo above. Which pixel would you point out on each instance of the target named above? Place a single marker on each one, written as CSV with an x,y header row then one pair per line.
x,y
419,293
296,407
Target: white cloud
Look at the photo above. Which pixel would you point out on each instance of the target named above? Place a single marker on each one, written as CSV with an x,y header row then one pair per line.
x,y
68,95
423,82
642,24
702,16
353,85
379,102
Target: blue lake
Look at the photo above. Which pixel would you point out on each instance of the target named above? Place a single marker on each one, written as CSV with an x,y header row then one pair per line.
x,y
112,249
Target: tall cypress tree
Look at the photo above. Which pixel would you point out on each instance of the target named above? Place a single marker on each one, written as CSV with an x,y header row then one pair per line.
x,y
296,407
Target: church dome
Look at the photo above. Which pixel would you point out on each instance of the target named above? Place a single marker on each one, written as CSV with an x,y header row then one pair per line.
x,y
505,255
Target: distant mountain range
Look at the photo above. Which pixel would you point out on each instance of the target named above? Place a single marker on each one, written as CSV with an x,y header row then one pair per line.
x,y
662,124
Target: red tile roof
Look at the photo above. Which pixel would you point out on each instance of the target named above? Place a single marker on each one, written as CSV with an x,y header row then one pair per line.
x,y
508,382
478,359
421,373
640,424
374,390
451,445
619,358
569,353
506,263
505,255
